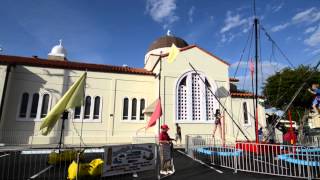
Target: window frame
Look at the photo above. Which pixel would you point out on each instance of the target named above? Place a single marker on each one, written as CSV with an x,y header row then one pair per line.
x,y
38,115
203,106
90,119
133,118
248,113
20,105
130,120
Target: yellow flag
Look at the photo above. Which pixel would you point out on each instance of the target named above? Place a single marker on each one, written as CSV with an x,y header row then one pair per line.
x,y
174,51
72,98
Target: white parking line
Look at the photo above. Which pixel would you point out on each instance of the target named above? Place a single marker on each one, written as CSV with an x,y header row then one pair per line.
x,y
39,173
4,155
217,170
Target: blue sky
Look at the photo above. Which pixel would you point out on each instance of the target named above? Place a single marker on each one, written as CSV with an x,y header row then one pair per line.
x,y
119,31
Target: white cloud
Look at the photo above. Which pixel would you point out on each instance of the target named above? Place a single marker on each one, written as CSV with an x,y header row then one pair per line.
x,y
310,15
267,66
310,29
315,52
190,14
314,39
232,21
277,8
162,11
269,69
279,27
227,38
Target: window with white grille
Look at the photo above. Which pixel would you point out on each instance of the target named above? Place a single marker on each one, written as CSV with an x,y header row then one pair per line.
x,y
195,101
182,100
211,102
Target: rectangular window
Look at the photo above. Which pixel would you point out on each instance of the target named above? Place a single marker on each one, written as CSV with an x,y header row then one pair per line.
x,y
142,106
24,105
134,109
125,108
87,107
77,112
96,110
45,105
245,113
34,105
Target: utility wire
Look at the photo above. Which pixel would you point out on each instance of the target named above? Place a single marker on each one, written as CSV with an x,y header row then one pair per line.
x,y
224,108
243,51
276,45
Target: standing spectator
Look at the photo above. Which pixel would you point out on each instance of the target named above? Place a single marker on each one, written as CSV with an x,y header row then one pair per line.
x,y
178,134
165,151
260,134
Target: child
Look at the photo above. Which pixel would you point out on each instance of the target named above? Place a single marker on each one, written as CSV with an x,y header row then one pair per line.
x,y
165,150
178,134
217,123
315,103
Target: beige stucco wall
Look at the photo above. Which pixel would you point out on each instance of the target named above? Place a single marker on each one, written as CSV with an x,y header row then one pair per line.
x,y
109,86
214,70
113,88
238,116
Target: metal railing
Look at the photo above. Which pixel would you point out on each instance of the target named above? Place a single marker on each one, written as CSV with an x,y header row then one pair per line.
x,y
310,141
36,164
271,159
144,139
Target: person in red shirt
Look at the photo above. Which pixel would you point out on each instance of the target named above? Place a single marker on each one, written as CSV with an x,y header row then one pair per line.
x,y
164,136
165,142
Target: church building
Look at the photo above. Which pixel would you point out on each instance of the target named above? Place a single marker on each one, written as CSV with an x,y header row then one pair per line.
x,y
120,99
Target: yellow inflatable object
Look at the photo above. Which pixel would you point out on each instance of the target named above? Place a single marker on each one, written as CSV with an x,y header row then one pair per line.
x,y
94,168
63,156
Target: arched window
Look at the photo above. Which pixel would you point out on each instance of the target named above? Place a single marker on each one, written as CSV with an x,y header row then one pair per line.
x,y
96,110
245,113
125,109
34,105
142,106
210,102
45,105
195,101
24,105
134,109
77,112
182,99
87,108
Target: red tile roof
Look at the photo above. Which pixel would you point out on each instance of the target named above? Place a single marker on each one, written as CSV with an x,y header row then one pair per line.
x,y
195,46
233,80
243,95
38,62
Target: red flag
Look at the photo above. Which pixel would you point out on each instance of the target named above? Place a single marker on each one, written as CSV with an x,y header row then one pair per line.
x,y
157,113
251,67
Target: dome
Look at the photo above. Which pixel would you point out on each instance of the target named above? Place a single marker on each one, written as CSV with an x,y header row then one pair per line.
x,y
58,50
166,41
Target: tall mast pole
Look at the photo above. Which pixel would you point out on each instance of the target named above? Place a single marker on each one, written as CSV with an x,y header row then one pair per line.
x,y
159,95
256,24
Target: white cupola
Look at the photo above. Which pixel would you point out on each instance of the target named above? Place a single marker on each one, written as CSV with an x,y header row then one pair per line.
x,y
58,52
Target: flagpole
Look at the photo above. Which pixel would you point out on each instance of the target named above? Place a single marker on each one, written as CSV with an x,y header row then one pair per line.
x,y
159,93
64,117
252,86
